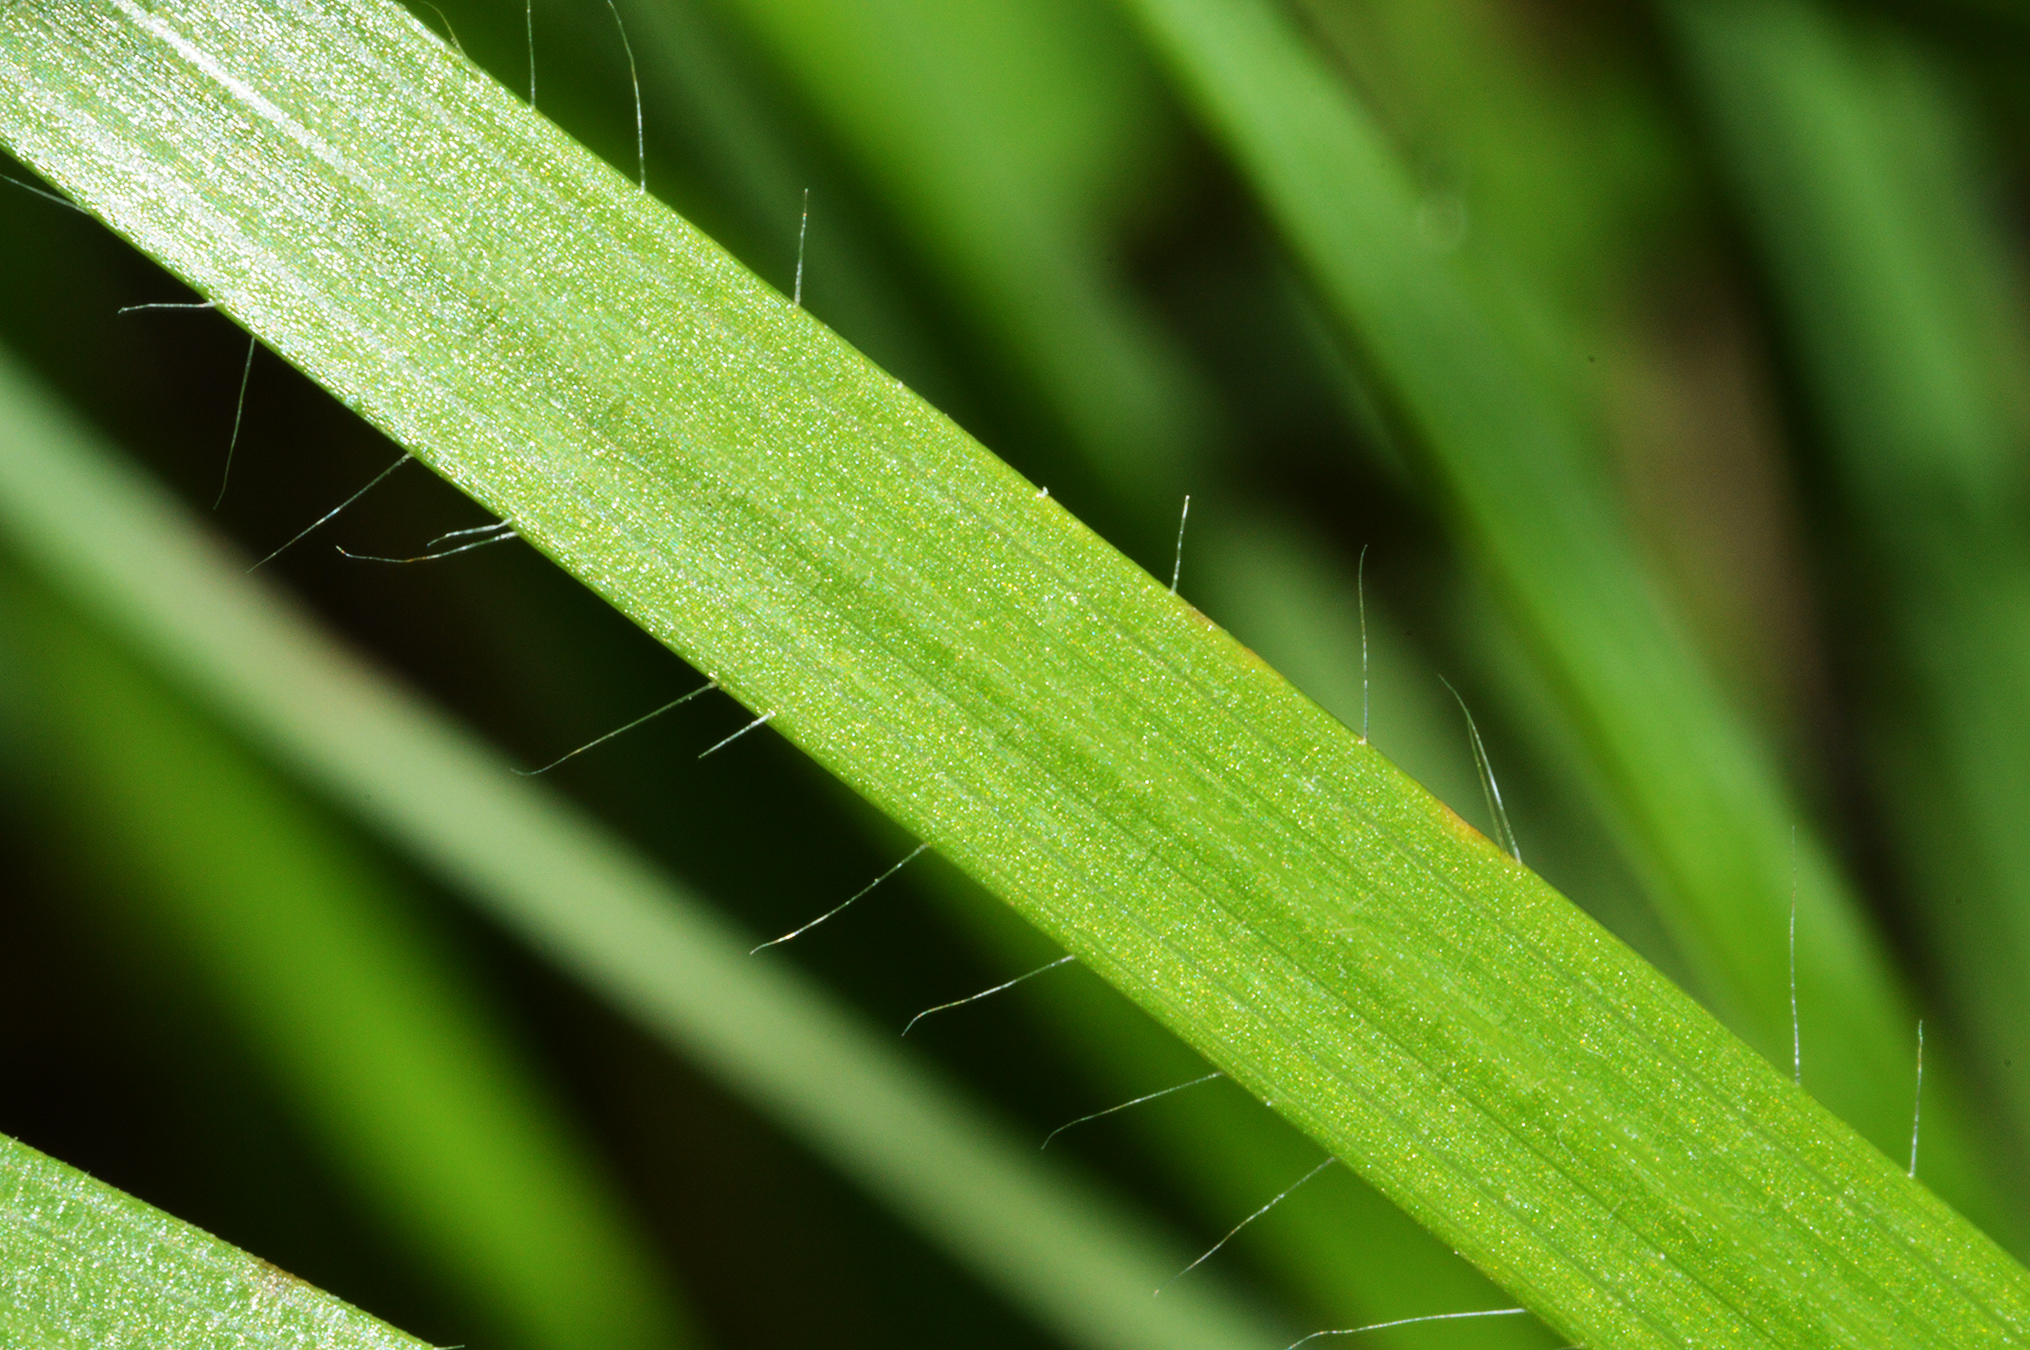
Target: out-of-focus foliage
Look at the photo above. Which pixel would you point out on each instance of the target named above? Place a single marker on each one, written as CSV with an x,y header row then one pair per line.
x,y
1767,256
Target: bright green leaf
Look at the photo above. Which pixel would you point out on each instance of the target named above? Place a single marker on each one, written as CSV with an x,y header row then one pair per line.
x,y
958,648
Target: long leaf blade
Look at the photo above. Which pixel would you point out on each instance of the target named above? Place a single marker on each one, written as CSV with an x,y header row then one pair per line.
x,y
951,643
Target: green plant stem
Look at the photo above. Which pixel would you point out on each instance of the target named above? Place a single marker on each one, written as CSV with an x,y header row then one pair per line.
x,y
959,649
1707,817
82,1264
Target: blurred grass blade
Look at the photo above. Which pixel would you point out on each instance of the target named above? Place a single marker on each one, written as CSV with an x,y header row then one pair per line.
x,y
134,560
954,645
388,1057
1857,175
84,1266
1708,817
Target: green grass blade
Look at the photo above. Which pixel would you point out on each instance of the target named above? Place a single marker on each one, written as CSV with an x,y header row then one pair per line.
x,y
131,558
1856,173
955,646
1709,820
389,1058
84,1265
